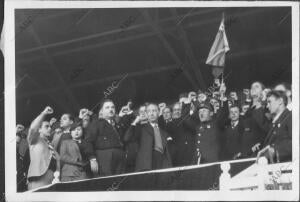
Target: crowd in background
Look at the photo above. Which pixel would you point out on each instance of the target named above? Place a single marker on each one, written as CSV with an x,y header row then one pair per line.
x,y
201,127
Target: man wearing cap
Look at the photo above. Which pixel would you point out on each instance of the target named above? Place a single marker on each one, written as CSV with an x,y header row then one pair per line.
x,y
207,144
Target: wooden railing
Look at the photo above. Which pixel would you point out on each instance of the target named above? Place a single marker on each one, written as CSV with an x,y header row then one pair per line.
x,y
259,176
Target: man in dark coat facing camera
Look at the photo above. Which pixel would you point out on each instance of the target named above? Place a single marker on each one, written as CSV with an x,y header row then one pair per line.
x,y
153,150
105,137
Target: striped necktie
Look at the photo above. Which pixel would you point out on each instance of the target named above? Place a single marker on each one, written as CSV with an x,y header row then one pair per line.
x,y
51,148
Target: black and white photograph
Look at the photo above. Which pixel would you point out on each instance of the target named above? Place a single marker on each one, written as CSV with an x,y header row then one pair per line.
x,y
151,100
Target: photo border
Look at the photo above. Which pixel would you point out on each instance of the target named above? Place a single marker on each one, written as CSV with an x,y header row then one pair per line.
x,y
10,110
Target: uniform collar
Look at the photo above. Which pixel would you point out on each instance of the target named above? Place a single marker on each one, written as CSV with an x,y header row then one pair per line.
x,y
277,117
289,106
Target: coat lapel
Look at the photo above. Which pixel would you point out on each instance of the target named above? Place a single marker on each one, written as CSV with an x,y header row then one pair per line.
x,y
150,131
277,124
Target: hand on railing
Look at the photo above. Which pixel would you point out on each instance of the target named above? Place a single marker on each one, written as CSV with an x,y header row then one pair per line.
x,y
268,152
56,177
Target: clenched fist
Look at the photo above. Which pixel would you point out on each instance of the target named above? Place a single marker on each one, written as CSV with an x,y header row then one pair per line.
x,y
48,110
20,128
52,121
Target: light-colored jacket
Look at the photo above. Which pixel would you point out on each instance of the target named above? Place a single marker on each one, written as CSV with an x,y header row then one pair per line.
x,y
40,155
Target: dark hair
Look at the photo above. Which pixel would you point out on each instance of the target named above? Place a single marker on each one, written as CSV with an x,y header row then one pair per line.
x,y
183,95
278,94
71,117
199,92
168,107
75,125
234,106
105,100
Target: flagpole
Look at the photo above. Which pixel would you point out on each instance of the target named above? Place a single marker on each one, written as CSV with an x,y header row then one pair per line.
x,y
222,102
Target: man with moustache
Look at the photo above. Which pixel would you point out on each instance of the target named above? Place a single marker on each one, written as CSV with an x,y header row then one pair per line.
x,y
153,150
105,138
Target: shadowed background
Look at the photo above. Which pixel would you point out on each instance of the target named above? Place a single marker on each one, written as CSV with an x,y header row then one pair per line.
x,y
68,58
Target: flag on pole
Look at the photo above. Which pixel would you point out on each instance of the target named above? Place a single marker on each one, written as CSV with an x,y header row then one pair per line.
x,y
216,56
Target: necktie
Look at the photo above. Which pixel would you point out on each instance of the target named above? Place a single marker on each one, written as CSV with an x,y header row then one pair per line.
x,y
51,148
157,140
232,125
112,123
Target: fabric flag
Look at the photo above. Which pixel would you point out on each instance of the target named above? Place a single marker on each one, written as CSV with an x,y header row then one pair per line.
x,y
216,56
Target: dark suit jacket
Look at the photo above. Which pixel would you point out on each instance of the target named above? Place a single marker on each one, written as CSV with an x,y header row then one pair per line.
x,y
232,143
102,135
146,144
280,136
256,127
131,140
182,144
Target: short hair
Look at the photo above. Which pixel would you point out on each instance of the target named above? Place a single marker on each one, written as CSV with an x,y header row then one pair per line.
x,y
278,94
176,103
43,122
152,103
71,116
183,95
168,107
285,84
105,101
144,105
76,125
200,92
234,106
260,83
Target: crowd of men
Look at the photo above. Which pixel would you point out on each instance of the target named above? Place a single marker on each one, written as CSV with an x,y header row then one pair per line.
x,y
199,128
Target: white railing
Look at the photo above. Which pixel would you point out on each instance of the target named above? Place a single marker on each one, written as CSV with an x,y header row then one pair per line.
x,y
259,176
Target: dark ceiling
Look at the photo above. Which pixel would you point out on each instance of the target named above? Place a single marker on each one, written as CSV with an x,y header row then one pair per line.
x,y
68,58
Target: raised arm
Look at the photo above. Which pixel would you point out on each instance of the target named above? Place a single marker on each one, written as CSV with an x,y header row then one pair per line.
x,y
131,131
33,133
